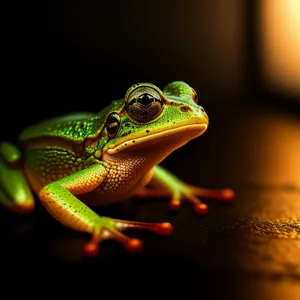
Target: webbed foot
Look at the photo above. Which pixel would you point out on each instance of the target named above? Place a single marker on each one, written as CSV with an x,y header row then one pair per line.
x,y
112,229
165,184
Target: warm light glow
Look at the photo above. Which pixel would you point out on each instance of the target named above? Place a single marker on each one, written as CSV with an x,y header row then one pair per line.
x,y
280,45
277,151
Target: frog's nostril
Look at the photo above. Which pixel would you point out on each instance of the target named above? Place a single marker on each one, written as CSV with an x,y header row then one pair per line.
x,y
202,109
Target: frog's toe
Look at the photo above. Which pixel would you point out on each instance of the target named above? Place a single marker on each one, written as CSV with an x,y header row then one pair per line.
x,y
25,207
91,248
226,195
21,203
113,230
193,195
132,245
198,206
223,195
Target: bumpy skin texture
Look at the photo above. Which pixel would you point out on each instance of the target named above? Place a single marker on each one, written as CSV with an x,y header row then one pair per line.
x,y
83,159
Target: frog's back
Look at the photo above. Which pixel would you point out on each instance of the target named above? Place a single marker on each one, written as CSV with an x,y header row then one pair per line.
x,y
75,127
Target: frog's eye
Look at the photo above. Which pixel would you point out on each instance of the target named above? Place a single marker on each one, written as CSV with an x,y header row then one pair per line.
x,y
113,122
144,104
194,96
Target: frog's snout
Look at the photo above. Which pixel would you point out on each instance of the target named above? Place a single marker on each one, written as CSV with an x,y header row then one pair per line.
x,y
203,116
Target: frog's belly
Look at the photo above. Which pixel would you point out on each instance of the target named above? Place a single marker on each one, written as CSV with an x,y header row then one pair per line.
x,y
105,195
111,190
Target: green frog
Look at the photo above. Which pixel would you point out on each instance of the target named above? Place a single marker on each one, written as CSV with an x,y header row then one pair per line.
x,y
80,160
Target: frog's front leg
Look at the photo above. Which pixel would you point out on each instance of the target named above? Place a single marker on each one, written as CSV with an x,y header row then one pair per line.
x,y
58,198
164,183
15,193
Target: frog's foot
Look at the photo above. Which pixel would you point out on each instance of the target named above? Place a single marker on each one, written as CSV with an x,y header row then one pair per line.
x,y
112,229
165,183
24,206
15,193
183,192
191,194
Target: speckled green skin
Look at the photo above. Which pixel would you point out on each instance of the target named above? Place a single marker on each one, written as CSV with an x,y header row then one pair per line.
x,y
78,130
80,159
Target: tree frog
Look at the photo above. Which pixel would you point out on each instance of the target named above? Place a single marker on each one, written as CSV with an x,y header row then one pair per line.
x,y
80,160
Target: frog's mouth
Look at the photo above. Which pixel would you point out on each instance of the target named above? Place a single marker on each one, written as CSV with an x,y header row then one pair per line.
x,y
187,132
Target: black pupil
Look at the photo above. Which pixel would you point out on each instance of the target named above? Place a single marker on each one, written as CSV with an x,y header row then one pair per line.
x,y
145,99
144,108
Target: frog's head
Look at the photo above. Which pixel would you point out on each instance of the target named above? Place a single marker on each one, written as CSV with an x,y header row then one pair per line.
x,y
152,119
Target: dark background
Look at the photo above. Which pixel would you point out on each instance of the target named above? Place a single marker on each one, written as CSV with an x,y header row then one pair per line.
x,y
78,55
63,56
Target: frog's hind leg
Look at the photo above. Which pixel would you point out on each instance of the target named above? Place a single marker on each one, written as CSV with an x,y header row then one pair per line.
x,y
15,193
164,183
